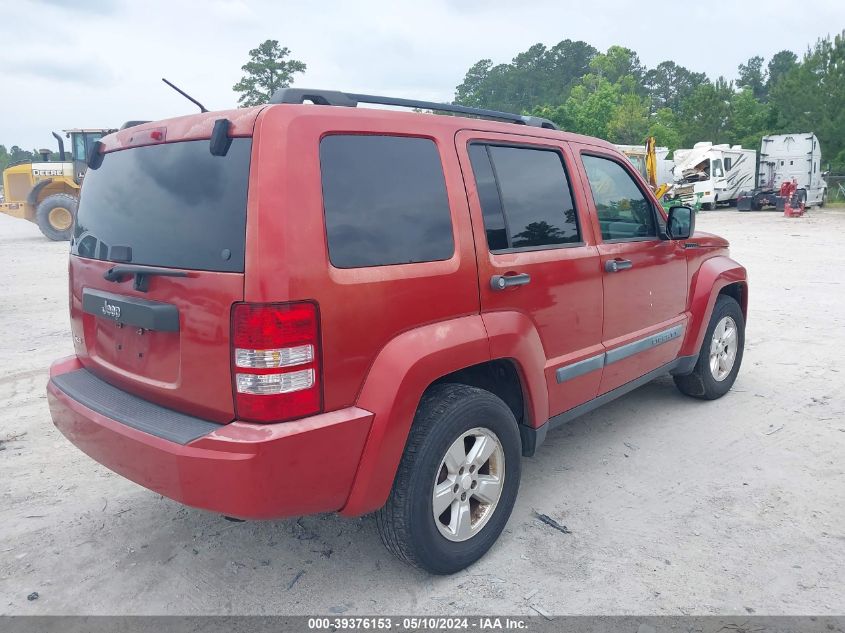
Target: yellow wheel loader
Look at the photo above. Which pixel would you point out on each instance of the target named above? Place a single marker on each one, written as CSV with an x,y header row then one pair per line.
x,y
47,192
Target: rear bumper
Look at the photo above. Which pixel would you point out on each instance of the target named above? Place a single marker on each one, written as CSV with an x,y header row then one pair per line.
x,y
251,471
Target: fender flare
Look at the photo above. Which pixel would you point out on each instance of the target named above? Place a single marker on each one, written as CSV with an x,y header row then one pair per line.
x,y
400,375
713,275
32,196
401,372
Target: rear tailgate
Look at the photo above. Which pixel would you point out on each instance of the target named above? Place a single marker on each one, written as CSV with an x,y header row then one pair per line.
x,y
169,221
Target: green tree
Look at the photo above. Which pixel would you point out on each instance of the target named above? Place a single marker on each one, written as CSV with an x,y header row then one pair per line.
x,y
611,95
17,155
616,63
750,119
629,122
809,97
590,107
705,114
663,126
668,84
753,76
779,66
266,71
474,90
537,76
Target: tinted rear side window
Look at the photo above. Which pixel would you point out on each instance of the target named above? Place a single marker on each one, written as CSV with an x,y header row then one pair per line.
x,y
525,197
173,205
488,197
385,201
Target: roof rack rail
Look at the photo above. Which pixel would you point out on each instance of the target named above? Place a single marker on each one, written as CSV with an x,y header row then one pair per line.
x,y
351,100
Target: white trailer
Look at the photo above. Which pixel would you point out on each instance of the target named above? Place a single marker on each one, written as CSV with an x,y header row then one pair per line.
x,y
711,174
784,157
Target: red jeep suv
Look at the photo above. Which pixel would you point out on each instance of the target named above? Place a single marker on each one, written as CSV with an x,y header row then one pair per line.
x,y
307,307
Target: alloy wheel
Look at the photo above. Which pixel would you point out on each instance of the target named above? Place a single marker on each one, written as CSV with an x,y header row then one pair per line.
x,y
468,484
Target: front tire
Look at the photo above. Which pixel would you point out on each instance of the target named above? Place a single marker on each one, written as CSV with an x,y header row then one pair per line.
x,y
457,482
55,215
721,353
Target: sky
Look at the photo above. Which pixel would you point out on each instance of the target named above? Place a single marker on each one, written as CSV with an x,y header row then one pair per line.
x,y
98,63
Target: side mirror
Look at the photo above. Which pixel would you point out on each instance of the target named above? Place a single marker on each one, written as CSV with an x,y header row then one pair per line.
x,y
681,223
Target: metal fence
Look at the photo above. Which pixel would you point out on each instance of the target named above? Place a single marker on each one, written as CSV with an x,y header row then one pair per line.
x,y
835,187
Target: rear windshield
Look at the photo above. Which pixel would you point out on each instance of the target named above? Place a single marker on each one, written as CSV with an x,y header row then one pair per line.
x,y
173,205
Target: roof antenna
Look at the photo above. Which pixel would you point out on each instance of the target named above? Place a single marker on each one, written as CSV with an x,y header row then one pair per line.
x,y
186,95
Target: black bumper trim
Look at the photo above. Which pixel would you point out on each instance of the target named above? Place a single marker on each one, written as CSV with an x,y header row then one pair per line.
x,y
118,405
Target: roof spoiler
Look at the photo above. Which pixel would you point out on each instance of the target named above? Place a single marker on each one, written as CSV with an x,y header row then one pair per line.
x,y
132,124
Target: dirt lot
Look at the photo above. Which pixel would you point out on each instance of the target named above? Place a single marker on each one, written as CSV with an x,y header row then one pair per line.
x,y
675,506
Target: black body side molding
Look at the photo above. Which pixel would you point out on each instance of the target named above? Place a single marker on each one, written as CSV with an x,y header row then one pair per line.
x,y
532,438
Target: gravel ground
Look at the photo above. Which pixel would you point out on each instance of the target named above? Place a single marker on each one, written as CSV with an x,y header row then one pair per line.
x,y
675,506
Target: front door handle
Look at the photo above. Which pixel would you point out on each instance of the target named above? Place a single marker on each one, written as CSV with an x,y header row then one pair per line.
x,y
615,265
500,282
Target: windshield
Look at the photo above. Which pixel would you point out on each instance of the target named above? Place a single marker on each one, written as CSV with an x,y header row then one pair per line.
x,y
172,205
78,146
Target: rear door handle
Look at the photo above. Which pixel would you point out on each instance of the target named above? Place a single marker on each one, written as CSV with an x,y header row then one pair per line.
x,y
615,265
500,282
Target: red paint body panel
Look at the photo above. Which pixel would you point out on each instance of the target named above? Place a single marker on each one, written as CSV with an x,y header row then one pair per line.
x,y
387,332
186,370
649,297
562,304
628,369
361,309
400,374
709,277
251,471
513,335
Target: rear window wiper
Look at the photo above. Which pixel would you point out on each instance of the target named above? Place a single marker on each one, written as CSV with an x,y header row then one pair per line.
x,y
142,275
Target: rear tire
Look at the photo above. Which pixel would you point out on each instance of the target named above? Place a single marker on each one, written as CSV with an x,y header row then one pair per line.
x,y
721,353
438,470
55,216
707,206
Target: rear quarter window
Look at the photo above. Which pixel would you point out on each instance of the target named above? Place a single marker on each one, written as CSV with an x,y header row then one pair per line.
x,y
385,201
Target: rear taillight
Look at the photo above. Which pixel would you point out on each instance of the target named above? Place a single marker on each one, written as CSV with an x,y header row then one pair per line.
x,y
276,361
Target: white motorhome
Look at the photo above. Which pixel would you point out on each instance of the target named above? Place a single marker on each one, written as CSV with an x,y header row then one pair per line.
x,y
787,156
717,172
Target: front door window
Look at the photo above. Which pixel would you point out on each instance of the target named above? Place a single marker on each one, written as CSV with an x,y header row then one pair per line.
x,y
624,212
